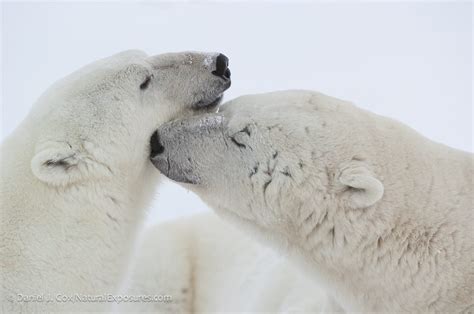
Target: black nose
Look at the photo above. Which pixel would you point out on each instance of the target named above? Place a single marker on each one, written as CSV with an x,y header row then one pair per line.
x,y
222,67
156,147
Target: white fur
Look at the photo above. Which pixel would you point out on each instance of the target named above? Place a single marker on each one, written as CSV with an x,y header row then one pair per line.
x,y
76,177
208,266
377,213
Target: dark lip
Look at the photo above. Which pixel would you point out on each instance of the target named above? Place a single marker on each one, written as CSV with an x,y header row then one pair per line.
x,y
189,181
162,163
206,105
211,105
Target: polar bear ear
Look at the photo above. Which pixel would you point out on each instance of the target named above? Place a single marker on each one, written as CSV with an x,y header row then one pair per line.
x,y
57,163
362,187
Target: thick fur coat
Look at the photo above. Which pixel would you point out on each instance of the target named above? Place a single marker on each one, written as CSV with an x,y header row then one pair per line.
x,y
378,214
206,265
76,177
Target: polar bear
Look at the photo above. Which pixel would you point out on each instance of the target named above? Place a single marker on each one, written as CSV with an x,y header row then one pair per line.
x,y
76,176
204,264
376,213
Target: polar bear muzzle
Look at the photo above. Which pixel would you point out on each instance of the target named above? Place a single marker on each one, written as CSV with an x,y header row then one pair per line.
x,y
178,145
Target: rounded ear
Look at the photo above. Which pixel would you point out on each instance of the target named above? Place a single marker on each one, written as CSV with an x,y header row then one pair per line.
x,y
363,188
57,163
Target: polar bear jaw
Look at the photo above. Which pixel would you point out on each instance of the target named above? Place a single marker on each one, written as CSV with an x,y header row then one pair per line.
x,y
116,103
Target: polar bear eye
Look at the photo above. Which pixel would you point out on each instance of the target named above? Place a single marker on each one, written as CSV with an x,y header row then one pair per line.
x,y
145,83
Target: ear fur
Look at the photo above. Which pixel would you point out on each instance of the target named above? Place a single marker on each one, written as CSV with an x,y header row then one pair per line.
x,y
57,163
364,189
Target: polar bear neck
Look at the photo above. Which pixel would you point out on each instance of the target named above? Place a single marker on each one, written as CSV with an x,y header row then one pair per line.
x,y
388,257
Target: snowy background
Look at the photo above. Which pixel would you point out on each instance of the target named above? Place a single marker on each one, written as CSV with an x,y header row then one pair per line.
x,y
411,62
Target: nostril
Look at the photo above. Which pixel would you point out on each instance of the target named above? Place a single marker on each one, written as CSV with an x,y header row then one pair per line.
x,y
156,147
222,63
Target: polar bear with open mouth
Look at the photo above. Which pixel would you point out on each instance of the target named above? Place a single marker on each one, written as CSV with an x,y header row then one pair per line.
x,y
76,177
379,215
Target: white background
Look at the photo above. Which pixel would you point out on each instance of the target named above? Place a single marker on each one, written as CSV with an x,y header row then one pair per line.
x,y
412,62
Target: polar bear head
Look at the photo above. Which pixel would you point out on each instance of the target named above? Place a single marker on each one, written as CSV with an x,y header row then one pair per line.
x,y
97,121
275,160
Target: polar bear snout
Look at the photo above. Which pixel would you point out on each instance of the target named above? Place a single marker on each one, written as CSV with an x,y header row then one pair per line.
x,y
167,160
178,148
169,163
222,67
155,145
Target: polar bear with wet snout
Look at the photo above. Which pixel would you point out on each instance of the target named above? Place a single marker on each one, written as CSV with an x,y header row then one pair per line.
x,y
379,215
76,177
